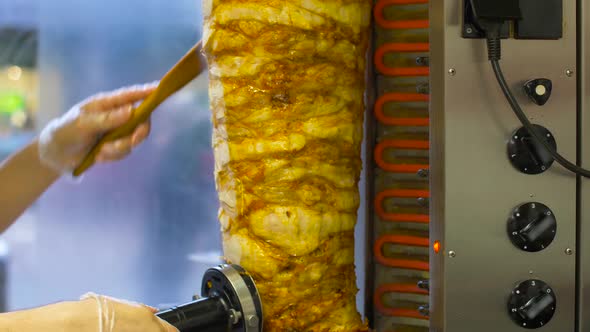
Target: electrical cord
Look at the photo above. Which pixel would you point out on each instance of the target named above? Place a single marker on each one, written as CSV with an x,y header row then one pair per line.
x,y
494,56
529,127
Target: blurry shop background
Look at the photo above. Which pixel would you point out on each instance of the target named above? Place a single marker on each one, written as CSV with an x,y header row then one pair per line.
x,y
145,228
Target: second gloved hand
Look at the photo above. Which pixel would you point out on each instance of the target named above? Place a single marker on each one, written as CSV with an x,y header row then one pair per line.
x,y
65,141
113,315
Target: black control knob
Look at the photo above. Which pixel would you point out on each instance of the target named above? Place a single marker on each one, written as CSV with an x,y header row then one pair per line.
x,y
532,227
539,90
532,304
527,154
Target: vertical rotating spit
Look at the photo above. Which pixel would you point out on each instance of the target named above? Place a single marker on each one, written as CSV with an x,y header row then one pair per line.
x,y
230,303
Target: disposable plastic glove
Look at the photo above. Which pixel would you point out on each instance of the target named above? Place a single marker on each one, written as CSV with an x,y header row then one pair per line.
x,y
114,315
65,141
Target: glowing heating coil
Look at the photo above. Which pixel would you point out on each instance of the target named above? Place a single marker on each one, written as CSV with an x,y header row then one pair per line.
x,y
400,145
398,48
399,167
398,288
398,24
399,97
400,217
401,240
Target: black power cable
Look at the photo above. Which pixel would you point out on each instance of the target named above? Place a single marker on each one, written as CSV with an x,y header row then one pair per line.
x,y
527,124
494,55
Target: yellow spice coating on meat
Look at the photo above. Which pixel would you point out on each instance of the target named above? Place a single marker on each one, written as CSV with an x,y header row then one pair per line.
x,y
287,99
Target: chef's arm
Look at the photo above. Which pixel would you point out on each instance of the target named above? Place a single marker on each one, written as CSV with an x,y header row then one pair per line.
x,y
23,178
62,145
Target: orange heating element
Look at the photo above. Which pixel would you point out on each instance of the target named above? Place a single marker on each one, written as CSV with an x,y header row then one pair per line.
x,y
401,263
400,48
401,217
381,148
402,289
378,12
401,98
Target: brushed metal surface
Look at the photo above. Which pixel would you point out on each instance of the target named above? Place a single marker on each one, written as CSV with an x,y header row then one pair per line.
x,y
584,190
473,185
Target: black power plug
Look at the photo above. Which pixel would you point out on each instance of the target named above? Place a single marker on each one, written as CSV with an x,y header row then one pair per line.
x,y
471,30
496,10
490,15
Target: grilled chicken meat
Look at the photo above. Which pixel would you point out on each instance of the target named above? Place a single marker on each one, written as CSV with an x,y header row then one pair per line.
x,y
287,83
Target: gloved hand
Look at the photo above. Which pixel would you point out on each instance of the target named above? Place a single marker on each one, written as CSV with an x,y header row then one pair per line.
x,y
113,315
65,141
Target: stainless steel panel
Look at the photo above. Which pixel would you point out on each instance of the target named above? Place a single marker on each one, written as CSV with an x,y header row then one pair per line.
x,y
584,191
473,185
